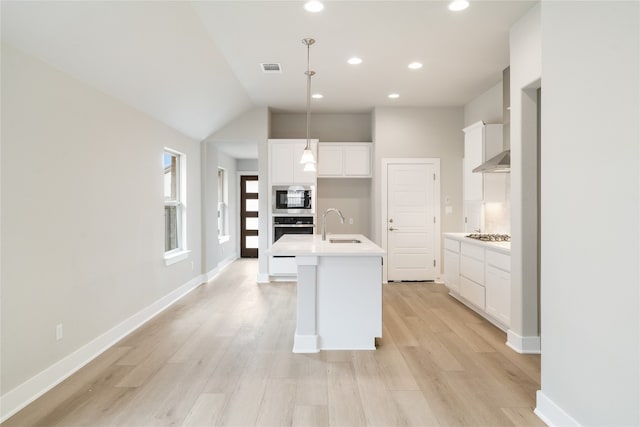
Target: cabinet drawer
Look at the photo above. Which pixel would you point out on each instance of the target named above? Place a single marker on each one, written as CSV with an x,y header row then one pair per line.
x,y
472,269
499,260
472,292
283,266
452,245
472,251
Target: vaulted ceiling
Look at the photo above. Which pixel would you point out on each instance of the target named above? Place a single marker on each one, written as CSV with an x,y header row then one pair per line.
x,y
196,65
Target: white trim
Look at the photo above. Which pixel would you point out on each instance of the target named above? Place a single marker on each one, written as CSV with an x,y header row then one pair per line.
x,y
306,344
383,207
239,175
174,257
550,413
220,267
262,278
523,345
16,399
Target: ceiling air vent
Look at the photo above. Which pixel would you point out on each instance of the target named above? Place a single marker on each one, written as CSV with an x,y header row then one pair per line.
x,y
271,67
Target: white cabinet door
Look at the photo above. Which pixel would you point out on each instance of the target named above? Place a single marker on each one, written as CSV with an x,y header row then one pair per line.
x,y
284,162
330,160
344,160
281,164
299,174
357,160
473,155
498,294
452,270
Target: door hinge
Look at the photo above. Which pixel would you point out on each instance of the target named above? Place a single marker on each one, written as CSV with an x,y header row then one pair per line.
x,y
434,262
434,219
434,176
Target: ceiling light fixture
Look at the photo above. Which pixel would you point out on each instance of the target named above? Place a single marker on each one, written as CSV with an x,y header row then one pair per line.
x,y
458,5
313,6
415,65
394,95
317,96
354,61
307,155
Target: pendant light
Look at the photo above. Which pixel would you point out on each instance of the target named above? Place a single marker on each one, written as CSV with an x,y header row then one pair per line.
x,y
307,155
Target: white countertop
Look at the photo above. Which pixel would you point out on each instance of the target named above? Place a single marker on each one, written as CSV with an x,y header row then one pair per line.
x,y
307,244
504,247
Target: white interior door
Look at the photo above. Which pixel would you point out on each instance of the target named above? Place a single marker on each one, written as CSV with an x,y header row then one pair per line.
x,y
411,221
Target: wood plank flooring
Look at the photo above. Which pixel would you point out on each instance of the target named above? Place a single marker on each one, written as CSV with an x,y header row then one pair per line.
x,y
222,356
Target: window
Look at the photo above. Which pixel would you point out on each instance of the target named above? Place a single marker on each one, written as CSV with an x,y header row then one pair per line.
x,y
223,231
174,206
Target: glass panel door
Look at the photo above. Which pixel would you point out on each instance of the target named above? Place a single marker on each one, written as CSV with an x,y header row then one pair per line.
x,y
249,216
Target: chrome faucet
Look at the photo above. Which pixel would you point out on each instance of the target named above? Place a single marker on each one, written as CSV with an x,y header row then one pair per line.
x,y
324,220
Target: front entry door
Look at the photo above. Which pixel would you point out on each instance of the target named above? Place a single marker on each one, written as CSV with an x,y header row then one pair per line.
x,y
249,216
411,221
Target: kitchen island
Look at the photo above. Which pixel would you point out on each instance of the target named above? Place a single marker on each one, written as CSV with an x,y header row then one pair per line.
x,y
339,294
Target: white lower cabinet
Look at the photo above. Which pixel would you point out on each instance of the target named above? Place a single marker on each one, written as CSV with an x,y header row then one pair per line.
x,y
472,274
480,277
452,265
283,266
498,288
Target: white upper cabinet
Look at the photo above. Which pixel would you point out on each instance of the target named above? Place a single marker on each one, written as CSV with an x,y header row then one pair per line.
x,y
473,157
481,142
284,162
344,160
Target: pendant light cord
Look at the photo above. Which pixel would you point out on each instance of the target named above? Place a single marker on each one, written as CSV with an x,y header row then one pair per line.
x,y
309,73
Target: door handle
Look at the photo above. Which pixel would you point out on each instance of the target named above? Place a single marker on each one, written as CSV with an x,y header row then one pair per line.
x,y
391,229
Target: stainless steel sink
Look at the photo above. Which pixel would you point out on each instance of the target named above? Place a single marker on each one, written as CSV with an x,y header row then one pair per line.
x,y
344,241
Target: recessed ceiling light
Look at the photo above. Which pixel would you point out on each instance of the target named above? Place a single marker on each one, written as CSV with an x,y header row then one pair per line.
x,y
415,65
458,5
394,95
354,61
313,6
317,96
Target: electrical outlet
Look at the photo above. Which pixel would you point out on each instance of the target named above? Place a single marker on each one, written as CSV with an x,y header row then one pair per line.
x,y
351,221
59,332
193,265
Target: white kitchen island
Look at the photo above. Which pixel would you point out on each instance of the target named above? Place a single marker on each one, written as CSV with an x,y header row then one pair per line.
x,y
339,294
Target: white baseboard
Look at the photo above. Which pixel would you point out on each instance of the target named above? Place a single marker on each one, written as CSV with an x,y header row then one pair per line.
x,y
263,278
305,344
552,414
523,345
16,399
221,266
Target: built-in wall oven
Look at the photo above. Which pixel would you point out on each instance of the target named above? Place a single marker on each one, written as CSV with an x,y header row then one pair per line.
x,y
292,225
293,199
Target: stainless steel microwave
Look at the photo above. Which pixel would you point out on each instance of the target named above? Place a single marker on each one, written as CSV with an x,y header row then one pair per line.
x,y
293,199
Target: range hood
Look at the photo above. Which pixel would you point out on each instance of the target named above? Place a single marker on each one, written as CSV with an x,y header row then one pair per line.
x,y
499,163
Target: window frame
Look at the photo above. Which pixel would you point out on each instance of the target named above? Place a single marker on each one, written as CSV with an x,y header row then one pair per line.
x,y
223,191
181,252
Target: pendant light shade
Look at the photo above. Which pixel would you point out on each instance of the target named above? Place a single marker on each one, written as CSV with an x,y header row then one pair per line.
x,y
307,155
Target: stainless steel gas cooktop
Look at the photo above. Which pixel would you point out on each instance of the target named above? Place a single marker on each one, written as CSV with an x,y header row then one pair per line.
x,y
490,237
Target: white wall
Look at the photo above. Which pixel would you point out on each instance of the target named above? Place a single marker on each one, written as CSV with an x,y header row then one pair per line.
x,y
486,107
590,213
82,212
422,132
525,47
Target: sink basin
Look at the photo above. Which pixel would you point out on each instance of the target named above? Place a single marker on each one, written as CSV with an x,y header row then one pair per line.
x,y
344,241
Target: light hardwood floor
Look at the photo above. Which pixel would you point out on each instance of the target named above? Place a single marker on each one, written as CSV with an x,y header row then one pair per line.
x,y
222,356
